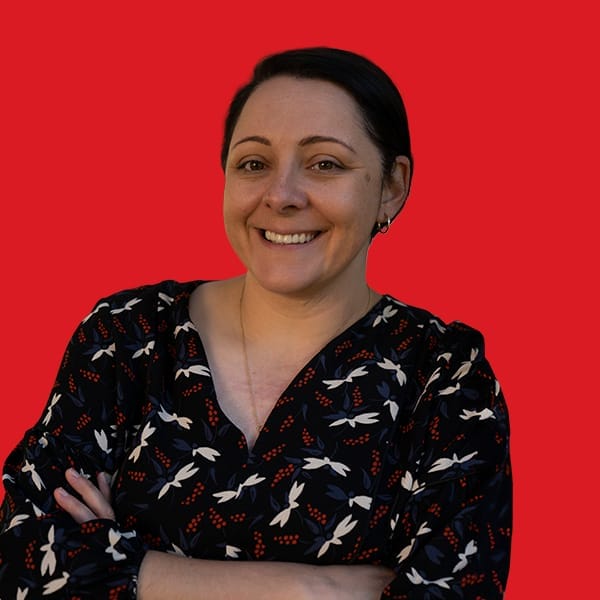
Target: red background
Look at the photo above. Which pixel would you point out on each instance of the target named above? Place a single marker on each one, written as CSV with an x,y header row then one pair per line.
x,y
109,178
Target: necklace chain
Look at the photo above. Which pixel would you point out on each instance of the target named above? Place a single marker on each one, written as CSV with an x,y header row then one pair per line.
x,y
257,421
246,365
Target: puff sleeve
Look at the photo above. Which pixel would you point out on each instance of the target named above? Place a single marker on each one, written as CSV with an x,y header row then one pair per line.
x,y
452,521
86,424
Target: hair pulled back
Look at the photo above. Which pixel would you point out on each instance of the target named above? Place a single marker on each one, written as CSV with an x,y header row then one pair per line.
x,y
377,97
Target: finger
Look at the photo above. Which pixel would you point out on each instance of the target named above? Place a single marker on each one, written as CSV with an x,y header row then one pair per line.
x,y
91,496
77,509
104,486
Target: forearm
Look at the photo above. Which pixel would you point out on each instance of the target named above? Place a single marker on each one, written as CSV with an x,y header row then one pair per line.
x,y
169,576
162,575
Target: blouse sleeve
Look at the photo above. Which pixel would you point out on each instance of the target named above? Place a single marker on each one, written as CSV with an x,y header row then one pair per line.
x,y
85,424
453,516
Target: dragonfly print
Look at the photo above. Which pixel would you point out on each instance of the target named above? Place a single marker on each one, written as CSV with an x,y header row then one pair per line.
x,y
390,446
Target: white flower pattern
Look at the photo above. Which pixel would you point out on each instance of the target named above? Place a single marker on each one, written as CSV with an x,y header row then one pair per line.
x,y
377,445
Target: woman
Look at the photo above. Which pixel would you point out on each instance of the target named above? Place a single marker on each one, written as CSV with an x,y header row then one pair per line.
x,y
290,433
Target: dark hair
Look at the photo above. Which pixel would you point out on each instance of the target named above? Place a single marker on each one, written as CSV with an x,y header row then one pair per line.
x,y
378,98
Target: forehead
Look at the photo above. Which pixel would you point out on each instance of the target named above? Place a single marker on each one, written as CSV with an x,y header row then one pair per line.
x,y
301,106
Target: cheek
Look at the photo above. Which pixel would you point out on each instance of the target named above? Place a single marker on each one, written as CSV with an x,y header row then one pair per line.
x,y
233,224
368,200
232,216
227,212
233,202
241,197
359,220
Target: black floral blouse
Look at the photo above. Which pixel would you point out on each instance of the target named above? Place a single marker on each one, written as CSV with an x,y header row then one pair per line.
x,y
390,446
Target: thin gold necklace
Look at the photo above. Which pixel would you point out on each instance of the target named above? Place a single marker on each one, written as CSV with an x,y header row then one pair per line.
x,y
246,366
257,421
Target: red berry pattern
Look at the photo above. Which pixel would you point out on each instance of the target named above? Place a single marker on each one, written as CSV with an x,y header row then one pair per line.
x,y
331,479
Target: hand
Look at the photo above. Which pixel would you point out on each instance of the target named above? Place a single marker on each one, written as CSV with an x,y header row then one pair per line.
x,y
94,502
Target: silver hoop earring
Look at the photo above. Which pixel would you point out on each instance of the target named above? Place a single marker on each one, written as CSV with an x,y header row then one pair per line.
x,y
385,226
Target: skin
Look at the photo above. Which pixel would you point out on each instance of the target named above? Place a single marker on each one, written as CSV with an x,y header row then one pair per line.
x,y
306,167
167,576
294,167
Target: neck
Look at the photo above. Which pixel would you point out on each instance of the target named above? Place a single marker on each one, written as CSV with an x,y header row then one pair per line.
x,y
272,316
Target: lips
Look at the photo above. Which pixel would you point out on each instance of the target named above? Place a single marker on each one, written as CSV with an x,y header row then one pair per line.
x,y
290,238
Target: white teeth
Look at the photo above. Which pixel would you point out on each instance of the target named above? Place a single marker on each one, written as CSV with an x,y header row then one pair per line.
x,y
289,238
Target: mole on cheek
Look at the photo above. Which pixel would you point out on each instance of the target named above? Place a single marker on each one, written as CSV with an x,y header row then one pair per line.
x,y
367,178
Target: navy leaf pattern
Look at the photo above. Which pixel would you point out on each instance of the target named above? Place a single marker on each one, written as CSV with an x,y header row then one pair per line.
x,y
389,447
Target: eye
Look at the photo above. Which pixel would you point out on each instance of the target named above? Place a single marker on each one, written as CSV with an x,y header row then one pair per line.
x,y
251,165
325,165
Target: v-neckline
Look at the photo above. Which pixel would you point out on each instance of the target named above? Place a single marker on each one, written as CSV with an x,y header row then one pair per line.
x,y
202,356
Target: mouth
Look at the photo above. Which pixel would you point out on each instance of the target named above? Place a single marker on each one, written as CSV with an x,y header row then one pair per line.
x,y
287,239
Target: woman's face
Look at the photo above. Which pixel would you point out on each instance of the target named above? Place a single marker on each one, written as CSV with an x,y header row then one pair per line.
x,y
304,188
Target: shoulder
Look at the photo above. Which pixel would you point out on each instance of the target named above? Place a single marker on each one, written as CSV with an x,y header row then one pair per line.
x,y
459,416
449,358
134,313
153,297
164,291
439,336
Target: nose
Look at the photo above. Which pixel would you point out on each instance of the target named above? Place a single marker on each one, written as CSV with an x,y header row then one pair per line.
x,y
285,191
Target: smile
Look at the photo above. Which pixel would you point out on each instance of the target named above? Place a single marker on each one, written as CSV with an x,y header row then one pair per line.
x,y
289,238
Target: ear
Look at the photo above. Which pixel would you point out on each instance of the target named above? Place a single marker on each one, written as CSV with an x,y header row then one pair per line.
x,y
395,190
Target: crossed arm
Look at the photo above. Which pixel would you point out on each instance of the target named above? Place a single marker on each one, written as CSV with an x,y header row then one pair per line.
x,y
165,575
452,537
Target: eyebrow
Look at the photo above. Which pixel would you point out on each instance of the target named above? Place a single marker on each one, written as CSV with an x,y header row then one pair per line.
x,y
316,139
307,141
253,138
